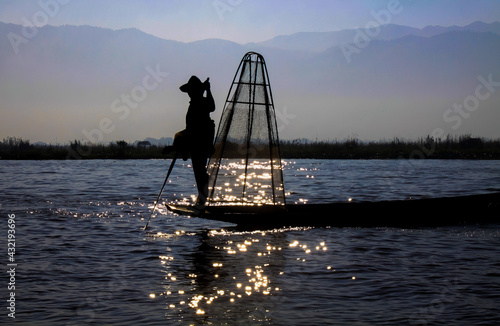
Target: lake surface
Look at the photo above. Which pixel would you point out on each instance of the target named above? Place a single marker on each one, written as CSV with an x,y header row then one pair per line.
x,y
83,259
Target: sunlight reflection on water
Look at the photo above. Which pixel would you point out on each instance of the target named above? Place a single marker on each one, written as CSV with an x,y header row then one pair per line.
x,y
84,259
233,274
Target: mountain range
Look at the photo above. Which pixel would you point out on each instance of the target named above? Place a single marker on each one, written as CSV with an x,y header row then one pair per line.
x,y
96,84
321,41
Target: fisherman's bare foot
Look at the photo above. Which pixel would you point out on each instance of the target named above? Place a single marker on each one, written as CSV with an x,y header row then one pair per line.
x,y
199,208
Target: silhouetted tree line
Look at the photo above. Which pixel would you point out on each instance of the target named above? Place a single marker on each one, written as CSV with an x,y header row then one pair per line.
x,y
452,147
458,147
15,144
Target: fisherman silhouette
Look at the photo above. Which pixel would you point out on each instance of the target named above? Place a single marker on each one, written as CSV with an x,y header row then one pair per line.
x,y
196,141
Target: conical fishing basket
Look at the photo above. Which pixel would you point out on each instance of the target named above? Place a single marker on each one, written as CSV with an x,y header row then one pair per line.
x,y
246,168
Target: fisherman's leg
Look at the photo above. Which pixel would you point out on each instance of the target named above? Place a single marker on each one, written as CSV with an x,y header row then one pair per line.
x,y
180,145
200,174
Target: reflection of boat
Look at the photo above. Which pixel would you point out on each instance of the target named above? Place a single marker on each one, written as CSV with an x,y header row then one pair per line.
x,y
473,209
246,180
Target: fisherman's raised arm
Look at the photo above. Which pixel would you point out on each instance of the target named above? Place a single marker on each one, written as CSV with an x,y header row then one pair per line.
x,y
209,97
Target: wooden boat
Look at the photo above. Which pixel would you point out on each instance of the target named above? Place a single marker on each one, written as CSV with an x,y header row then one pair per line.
x,y
444,211
246,180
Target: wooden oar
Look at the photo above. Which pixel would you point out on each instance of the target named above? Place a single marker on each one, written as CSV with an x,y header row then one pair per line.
x,y
161,191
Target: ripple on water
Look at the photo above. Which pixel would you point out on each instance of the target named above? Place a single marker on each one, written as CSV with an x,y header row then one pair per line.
x,y
84,259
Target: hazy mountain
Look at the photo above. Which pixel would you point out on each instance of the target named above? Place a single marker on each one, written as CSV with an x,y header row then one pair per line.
x,y
320,41
474,27
80,75
158,142
89,83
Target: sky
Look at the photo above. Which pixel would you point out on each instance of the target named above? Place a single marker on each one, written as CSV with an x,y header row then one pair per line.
x,y
244,21
240,21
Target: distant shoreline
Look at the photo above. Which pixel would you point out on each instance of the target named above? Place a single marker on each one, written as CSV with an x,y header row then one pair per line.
x,y
462,148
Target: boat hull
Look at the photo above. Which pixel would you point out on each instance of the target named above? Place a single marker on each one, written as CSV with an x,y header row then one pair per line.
x,y
461,210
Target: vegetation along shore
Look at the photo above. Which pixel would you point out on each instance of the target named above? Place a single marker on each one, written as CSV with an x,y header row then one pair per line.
x,y
460,147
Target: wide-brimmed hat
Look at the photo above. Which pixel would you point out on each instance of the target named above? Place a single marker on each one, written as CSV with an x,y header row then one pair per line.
x,y
194,83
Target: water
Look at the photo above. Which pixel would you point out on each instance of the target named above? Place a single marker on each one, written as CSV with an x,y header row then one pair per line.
x,y
82,258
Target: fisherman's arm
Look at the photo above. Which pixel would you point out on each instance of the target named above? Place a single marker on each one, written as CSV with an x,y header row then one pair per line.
x,y
209,97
